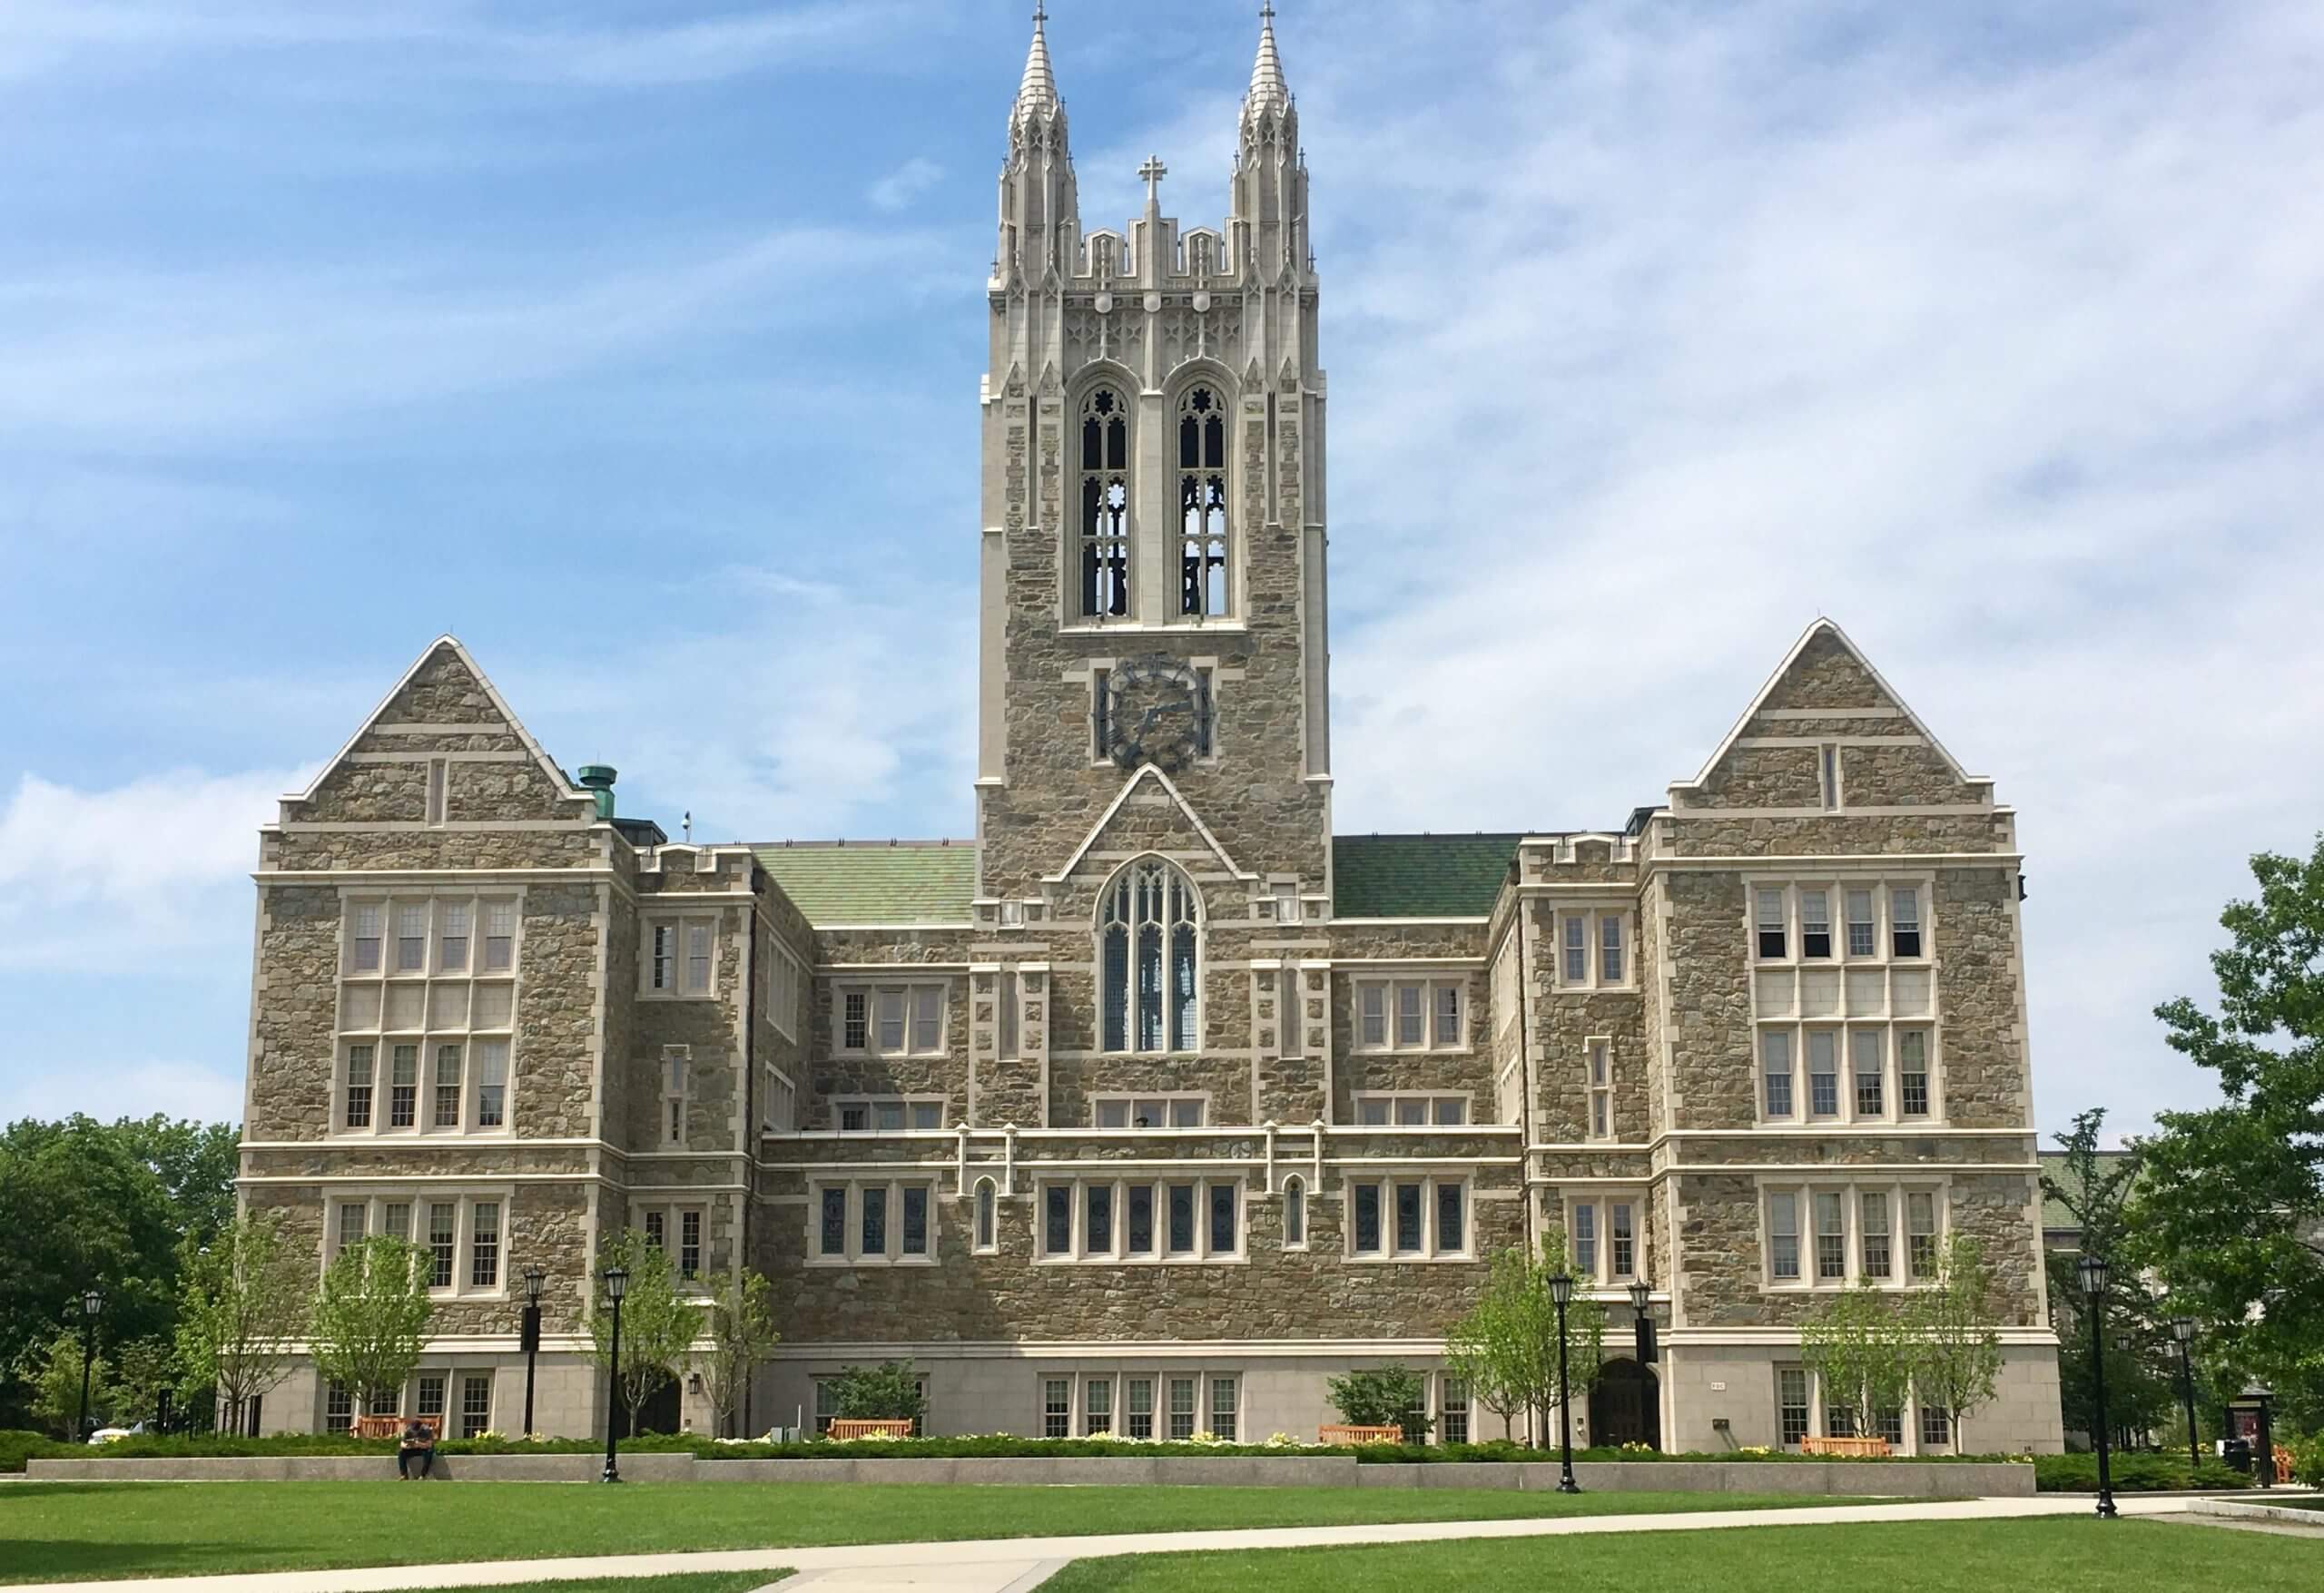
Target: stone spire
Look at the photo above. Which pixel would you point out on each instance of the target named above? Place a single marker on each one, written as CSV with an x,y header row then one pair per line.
x,y
1037,92
1269,91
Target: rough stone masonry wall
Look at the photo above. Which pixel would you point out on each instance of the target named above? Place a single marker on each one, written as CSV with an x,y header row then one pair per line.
x,y
918,955
711,1028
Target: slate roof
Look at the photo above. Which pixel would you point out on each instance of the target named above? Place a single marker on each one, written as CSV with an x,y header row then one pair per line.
x,y
876,881
2055,1217
1419,876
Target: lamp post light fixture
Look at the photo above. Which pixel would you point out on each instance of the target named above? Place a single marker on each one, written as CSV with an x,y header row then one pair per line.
x,y
617,1285
1642,1346
92,1303
1560,1295
2094,1273
2182,1328
535,1276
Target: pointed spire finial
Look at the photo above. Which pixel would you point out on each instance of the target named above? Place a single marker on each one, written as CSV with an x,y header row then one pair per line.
x,y
1268,88
1037,92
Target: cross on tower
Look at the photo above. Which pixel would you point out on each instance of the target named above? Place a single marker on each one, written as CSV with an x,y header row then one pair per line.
x,y
1154,170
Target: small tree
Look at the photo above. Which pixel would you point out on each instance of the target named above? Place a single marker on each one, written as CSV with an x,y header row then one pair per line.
x,y
370,1322
887,1392
1385,1396
1855,1344
658,1325
1954,1350
241,1303
53,1370
1482,1351
742,1332
1585,1329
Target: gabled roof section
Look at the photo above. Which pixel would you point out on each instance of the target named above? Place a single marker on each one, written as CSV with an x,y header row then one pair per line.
x,y
1819,645
458,675
891,883
1149,771
1419,876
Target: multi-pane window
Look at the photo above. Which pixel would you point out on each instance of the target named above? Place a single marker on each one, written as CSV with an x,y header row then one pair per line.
x,y
475,1403
1224,1393
1148,988
785,979
1912,1072
356,1091
1601,1089
1869,1056
499,936
1602,1238
1097,1407
1105,540
1776,909
1182,1409
338,1408
871,1222
892,1020
1773,934
415,1013
1187,1111
430,1395
351,1219
1815,923
1409,1014
1137,1396
1904,921
1205,575
461,1239
1863,925
676,1231
889,1114
679,956
1792,1408
1178,1220
491,1084
1823,1073
1452,1419
1851,1233
1593,949
677,1069
1409,1218
443,1240
1409,1109
1775,1066
1936,1427
1057,1407
484,1246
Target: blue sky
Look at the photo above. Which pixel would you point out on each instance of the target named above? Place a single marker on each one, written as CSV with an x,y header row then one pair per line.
x,y
638,343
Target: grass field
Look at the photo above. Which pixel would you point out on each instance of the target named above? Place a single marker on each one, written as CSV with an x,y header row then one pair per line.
x,y
60,1531
2070,1555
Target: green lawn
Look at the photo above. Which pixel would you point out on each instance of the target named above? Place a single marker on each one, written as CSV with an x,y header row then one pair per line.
x,y
2068,1555
725,1582
59,1532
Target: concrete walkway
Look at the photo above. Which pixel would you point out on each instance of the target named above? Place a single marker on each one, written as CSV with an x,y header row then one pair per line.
x,y
1004,1565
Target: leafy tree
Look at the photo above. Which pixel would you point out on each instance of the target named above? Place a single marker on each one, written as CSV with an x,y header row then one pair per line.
x,y
1955,1351
196,1164
658,1325
742,1330
370,1322
2097,1189
1855,1344
52,1371
242,1301
1383,1396
2231,1210
1483,1350
887,1392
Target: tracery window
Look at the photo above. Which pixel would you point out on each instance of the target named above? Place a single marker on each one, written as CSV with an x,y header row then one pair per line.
x,y
1202,502
1105,504
1147,959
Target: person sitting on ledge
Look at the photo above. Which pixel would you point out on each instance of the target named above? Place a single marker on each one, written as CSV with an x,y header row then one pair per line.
x,y
418,1443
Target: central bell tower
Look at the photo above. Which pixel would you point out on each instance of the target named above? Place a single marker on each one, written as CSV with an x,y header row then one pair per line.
x,y
1152,574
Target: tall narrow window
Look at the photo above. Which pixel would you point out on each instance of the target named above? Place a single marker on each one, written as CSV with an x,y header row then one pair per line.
x,y
1147,955
1871,1070
1831,1235
484,1246
987,1200
452,943
1815,924
1610,953
359,1087
403,1085
1905,922
1874,1217
491,1084
1585,1241
1912,1072
447,1088
1823,1073
499,935
1104,505
1201,504
1601,1091
1374,1003
437,772
1576,950
1864,934
1295,1214
697,957
1920,1219
366,939
1290,1017
1831,782
1005,994
1772,937
1783,1236
1791,1404
1775,1063
440,1229
412,938
1621,1232
1098,1407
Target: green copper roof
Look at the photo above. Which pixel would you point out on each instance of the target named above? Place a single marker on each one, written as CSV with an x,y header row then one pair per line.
x,y
876,881
1419,876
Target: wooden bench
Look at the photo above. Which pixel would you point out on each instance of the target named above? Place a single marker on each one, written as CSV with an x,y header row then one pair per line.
x,y
1869,1448
1360,1435
392,1425
844,1428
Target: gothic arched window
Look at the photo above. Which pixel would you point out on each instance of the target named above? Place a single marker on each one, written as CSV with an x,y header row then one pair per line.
x,y
1202,502
988,1215
1105,504
1146,961
1294,1214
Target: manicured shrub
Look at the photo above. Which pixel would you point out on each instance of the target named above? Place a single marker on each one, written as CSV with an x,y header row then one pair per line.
x,y
2137,1473
17,1446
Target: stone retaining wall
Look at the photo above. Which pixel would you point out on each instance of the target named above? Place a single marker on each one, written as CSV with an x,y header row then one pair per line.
x,y
1895,1479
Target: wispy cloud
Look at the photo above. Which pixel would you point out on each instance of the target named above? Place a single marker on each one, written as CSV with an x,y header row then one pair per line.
x,y
907,183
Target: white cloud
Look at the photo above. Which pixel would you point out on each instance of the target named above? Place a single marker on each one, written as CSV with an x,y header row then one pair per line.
x,y
139,874
907,183
108,1090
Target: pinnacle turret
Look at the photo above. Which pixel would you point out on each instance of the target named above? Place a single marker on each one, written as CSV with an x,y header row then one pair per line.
x,y
1037,92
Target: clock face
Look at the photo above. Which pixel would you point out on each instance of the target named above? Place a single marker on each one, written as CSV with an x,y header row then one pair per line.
x,y
1157,712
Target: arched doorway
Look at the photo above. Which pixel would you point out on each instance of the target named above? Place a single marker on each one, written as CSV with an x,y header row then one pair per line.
x,y
1626,1406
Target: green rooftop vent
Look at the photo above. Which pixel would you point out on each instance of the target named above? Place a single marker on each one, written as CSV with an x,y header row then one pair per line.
x,y
598,777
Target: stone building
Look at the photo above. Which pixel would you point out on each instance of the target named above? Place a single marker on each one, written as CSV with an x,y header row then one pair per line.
x,y
1156,1103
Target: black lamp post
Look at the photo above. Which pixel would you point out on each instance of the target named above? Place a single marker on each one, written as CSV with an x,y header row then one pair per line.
x,y
92,1303
1642,1334
617,1285
535,1276
1561,1294
2182,1328
2093,1271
